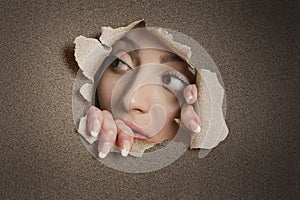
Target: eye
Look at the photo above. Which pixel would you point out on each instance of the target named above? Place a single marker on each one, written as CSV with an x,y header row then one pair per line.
x,y
174,81
119,66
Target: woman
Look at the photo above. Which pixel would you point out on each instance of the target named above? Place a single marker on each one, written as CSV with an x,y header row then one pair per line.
x,y
143,89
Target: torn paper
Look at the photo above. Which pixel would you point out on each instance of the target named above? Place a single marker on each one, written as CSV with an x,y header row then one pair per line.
x,y
90,54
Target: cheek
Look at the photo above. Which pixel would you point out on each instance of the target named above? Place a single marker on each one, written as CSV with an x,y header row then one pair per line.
x,y
105,89
172,107
171,104
173,110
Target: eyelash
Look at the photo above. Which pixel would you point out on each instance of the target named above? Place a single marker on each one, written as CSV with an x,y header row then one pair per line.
x,y
115,63
171,73
176,75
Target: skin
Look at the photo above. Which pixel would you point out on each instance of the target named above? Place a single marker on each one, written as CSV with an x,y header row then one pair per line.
x,y
141,103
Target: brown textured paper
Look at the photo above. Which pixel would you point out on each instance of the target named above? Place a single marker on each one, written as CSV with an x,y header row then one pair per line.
x,y
90,53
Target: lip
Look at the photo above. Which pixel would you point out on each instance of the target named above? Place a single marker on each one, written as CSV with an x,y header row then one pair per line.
x,y
138,133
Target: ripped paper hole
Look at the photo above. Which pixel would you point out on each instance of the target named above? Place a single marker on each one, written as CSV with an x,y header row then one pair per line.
x,y
90,53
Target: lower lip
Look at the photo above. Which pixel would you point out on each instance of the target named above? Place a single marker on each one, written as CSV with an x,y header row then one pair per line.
x,y
139,136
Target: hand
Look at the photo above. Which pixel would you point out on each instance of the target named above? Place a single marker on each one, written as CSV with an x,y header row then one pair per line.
x,y
116,132
113,132
189,117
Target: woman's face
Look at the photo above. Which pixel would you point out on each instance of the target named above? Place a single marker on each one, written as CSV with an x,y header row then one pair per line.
x,y
143,86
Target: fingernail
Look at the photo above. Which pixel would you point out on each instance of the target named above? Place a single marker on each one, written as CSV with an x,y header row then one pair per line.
x,y
195,127
189,96
94,133
126,147
95,128
177,121
111,132
105,150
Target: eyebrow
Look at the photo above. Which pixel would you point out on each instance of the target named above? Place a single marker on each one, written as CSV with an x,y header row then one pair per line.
x,y
163,59
170,58
133,52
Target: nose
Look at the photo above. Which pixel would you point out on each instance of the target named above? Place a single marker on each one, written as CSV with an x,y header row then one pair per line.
x,y
141,102
140,96
143,98
137,102
135,80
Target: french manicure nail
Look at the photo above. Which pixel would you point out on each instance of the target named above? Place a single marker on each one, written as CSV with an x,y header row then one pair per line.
x,y
94,133
126,147
95,128
111,132
102,155
177,121
195,127
105,150
190,97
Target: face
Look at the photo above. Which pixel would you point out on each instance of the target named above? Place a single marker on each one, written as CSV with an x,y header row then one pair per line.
x,y
143,86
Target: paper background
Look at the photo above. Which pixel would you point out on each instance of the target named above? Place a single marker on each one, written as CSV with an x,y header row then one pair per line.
x,y
253,44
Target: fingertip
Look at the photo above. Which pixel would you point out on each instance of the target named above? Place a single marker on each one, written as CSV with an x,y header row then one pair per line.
x,y
95,129
102,155
108,129
190,94
95,119
92,110
195,127
189,97
125,148
94,133
194,87
124,152
104,149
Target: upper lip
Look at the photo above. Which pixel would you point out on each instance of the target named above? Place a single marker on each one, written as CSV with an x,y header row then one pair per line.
x,y
134,127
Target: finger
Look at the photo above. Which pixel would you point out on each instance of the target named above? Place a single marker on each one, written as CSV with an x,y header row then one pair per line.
x,y
125,137
95,119
108,134
190,94
190,119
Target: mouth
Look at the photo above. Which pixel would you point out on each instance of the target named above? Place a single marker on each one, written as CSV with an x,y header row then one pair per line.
x,y
138,133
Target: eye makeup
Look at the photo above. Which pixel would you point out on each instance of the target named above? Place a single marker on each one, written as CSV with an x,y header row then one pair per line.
x,y
119,66
174,80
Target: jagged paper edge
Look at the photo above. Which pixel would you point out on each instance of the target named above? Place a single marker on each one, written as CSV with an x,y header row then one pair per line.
x,y
86,92
110,35
102,48
89,54
213,131
138,148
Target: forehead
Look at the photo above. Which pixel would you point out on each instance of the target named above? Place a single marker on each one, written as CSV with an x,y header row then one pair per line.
x,y
144,39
